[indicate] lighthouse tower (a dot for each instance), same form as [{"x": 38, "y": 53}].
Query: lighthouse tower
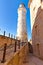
[{"x": 21, "y": 27}]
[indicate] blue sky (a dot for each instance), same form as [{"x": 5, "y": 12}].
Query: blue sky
[{"x": 8, "y": 16}]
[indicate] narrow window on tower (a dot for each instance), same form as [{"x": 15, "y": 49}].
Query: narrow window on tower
[
  {"x": 36, "y": 30},
  {"x": 34, "y": 9}
]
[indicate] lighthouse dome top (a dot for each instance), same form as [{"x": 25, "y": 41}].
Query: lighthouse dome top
[{"x": 22, "y": 5}]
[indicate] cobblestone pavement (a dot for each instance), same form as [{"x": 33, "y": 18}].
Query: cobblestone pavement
[{"x": 32, "y": 60}]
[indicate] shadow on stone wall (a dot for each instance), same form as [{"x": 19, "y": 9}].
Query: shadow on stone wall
[{"x": 30, "y": 47}]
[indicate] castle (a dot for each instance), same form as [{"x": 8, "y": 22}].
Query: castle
[
  {"x": 36, "y": 14},
  {"x": 33, "y": 5}
]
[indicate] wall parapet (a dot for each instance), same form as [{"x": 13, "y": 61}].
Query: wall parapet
[{"x": 19, "y": 56}]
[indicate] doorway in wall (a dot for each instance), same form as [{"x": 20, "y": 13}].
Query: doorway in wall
[{"x": 38, "y": 50}]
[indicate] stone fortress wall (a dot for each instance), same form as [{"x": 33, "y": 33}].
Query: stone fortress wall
[
  {"x": 37, "y": 34},
  {"x": 7, "y": 40},
  {"x": 33, "y": 5},
  {"x": 37, "y": 29}
]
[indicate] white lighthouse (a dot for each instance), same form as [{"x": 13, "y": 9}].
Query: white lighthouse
[{"x": 21, "y": 26}]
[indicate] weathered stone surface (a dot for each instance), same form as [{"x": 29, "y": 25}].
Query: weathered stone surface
[
  {"x": 7, "y": 40},
  {"x": 21, "y": 28},
  {"x": 37, "y": 34}
]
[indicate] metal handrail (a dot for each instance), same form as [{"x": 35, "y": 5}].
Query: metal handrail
[{"x": 6, "y": 47}]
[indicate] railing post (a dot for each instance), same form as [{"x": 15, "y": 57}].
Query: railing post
[
  {"x": 18, "y": 44},
  {"x": 4, "y": 53},
  {"x": 4, "y": 33},
  {"x": 15, "y": 46}
]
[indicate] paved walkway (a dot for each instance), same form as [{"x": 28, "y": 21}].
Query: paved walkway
[
  {"x": 32, "y": 60},
  {"x": 9, "y": 53}
]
